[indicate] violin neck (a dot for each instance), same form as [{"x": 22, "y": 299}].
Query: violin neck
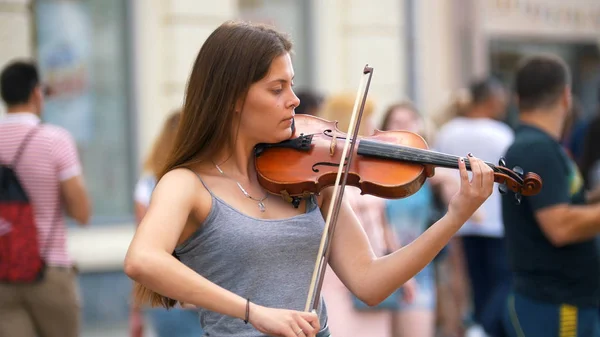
[{"x": 377, "y": 149}]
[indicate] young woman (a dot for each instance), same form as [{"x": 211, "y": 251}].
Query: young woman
[
  {"x": 205, "y": 239},
  {"x": 409, "y": 218}
]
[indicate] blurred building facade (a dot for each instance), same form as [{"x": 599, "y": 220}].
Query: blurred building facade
[
  {"x": 513, "y": 29},
  {"x": 117, "y": 68}
]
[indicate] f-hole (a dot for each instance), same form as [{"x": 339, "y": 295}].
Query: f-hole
[{"x": 324, "y": 163}]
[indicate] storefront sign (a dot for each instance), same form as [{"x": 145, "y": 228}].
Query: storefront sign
[{"x": 578, "y": 19}]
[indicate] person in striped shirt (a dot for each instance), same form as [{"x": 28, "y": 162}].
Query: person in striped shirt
[{"x": 49, "y": 170}]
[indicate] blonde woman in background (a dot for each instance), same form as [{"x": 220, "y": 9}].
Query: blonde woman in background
[
  {"x": 345, "y": 318},
  {"x": 409, "y": 218},
  {"x": 175, "y": 322}
]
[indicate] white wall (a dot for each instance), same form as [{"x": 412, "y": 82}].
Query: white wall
[
  {"x": 15, "y": 32},
  {"x": 353, "y": 33},
  {"x": 437, "y": 55}
]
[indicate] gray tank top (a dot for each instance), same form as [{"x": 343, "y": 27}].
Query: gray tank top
[{"x": 268, "y": 261}]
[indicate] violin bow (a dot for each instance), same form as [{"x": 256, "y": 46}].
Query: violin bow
[{"x": 314, "y": 292}]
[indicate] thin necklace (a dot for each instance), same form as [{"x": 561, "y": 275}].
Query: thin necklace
[{"x": 261, "y": 205}]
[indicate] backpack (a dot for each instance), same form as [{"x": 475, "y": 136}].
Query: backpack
[{"x": 20, "y": 258}]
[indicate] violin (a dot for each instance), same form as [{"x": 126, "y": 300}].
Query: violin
[{"x": 388, "y": 164}]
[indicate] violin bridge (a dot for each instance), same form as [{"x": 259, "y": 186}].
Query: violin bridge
[{"x": 332, "y": 145}]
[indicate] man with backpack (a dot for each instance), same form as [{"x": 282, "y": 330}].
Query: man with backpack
[{"x": 40, "y": 178}]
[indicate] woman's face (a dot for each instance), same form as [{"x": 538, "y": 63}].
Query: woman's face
[
  {"x": 404, "y": 119},
  {"x": 268, "y": 111}
]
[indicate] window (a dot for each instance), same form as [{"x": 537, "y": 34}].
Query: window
[{"x": 82, "y": 53}]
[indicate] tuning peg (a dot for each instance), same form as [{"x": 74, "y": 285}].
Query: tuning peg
[
  {"x": 518, "y": 170},
  {"x": 502, "y": 162},
  {"x": 518, "y": 198},
  {"x": 502, "y": 188}
]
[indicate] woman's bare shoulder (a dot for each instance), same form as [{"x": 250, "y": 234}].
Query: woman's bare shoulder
[
  {"x": 184, "y": 185},
  {"x": 179, "y": 178}
]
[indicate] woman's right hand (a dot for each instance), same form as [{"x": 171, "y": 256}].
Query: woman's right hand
[{"x": 284, "y": 323}]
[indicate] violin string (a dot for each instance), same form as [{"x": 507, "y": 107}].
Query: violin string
[
  {"x": 444, "y": 158},
  {"x": 424, "y": 156},
  {"x": 452, "y": 161}
]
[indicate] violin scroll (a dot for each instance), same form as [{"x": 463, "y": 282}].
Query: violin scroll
[
  {"x": 514, "y": 180},
  {"x": 532, "y": 184}
]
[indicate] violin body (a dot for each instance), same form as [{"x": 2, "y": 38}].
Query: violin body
[
  {"x": 296, "y": 172},
  {"x": 387, "y": 164}
]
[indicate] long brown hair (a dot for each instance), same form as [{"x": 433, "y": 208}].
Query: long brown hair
[
  {"x": 234, "y": 56},
  {"x": 163, "y": 144}
]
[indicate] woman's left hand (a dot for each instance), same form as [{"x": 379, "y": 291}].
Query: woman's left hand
[{"x": 472, "y": 194}]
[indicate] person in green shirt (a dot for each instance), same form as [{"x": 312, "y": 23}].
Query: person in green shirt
[{"x": 550, "y": 236}]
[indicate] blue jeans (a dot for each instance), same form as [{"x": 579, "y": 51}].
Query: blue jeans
[
  {"x": 426, "y": 292},
  {"x": 487, "y": 265},
  {"x": 525, "y": 317},
  {"x": 175, "y": 322}
]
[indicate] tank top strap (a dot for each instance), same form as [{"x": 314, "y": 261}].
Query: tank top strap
[{"x": 203, "y": 183}]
